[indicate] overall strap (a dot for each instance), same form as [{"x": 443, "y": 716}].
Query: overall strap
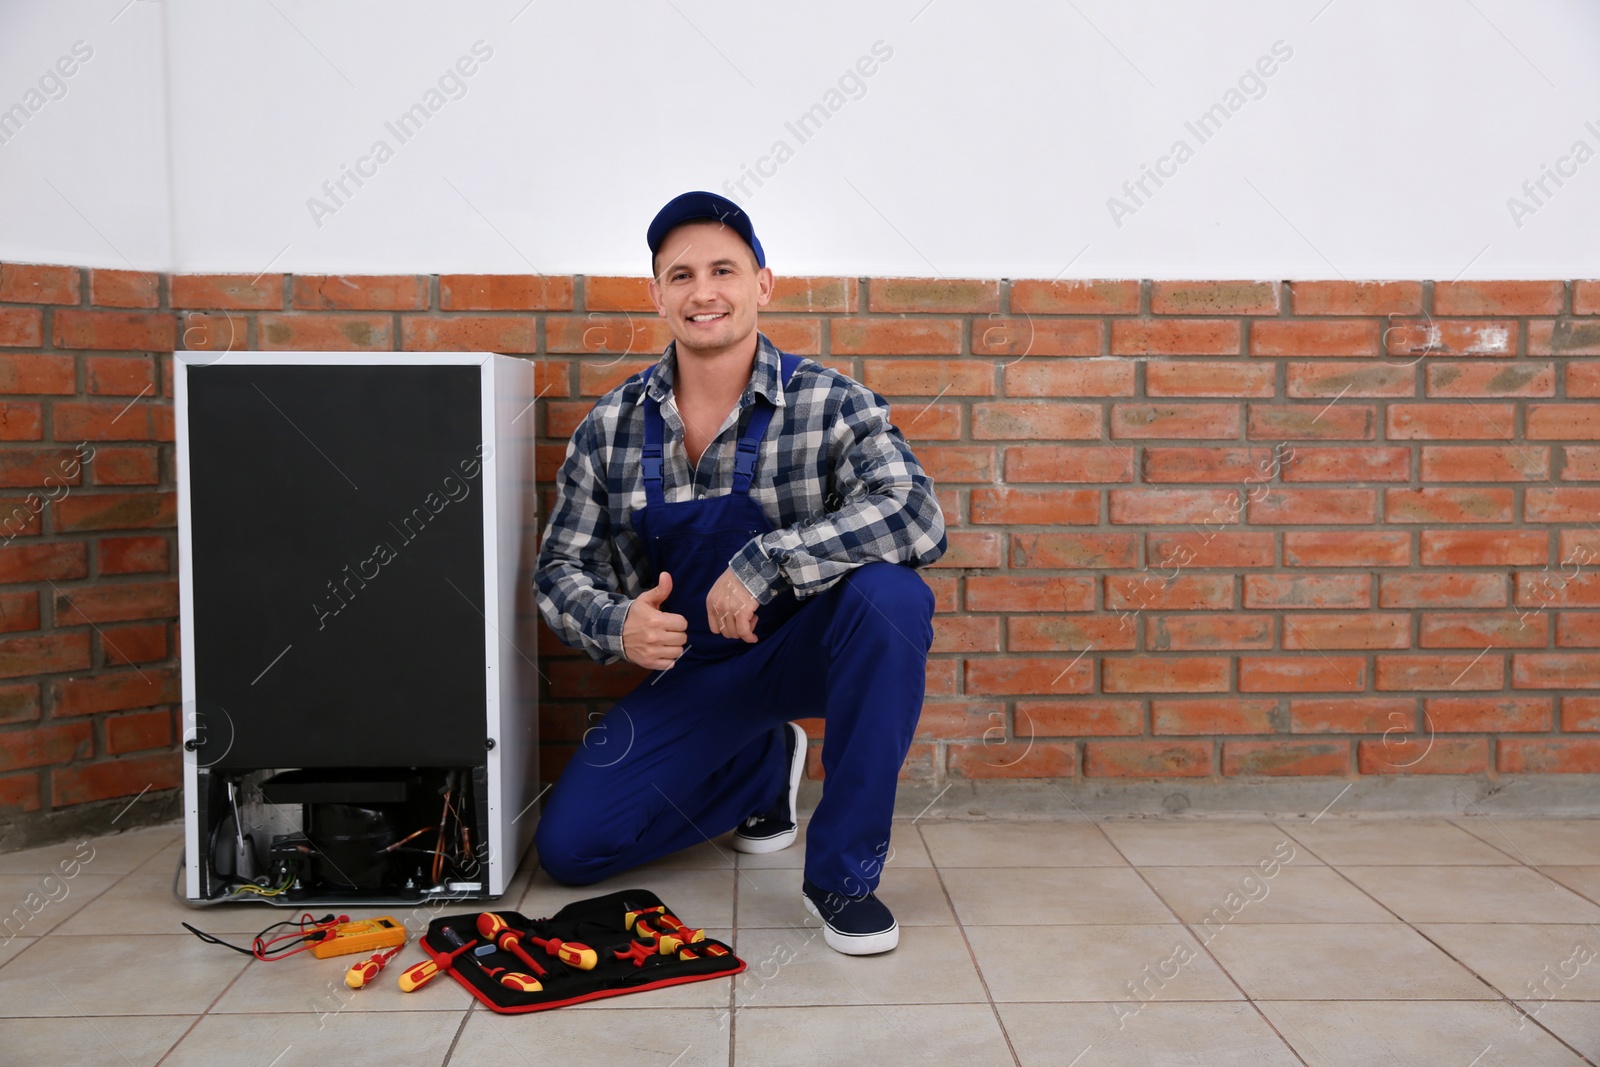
[
  {"x": 651, "y": 462},
  {"x": 744, "y": 464},
  {"x": 744, "y": 461}
]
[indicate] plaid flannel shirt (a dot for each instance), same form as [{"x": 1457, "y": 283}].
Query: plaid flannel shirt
[{"x": 835, "y": 478}]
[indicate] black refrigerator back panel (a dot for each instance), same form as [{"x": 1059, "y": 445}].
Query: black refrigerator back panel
[{"x": 337, "y": 518}]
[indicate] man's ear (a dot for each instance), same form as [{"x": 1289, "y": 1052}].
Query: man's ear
[
  {"x": 764, "y": 284},
  {"x": 655, "y": 298}
]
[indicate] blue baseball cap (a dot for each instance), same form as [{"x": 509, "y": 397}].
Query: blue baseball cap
[{"x": 691, "y": 207}]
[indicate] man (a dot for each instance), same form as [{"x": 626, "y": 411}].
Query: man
[{"x": 745, "y": 523}]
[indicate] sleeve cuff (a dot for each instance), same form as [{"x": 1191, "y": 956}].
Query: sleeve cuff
[
  {"x": 607, "y": 634},
  {"x": 759, "y": 573}
]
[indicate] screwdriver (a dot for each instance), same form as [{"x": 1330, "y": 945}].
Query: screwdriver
[
  {"x": 571, "y": 953},
  {"x": 419, "y": 975},
  {"x": 364, "y": 972},
  {"x": 524, "y": 983},
  {"x": 495, "y": 930}
]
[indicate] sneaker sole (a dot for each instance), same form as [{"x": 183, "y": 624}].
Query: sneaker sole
[
  {"x": 756, "y": 846},
  {"x": 761, "y": 845},
  {"x": 855, "y": 944}
]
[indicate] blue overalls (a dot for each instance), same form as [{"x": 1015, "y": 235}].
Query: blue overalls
[
  {"x": 693, "y": 540},
  {"x": 693, "y": 751}
]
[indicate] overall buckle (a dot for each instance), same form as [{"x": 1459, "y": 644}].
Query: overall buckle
[{"x": 744, "y": 462}]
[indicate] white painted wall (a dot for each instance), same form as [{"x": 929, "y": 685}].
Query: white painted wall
[
  {"x": 83, "y": 163},
  {"x": 988, "y": 143}
]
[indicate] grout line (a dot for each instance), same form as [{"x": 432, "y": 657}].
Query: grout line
[
  {"x": 116, "y": 881},
  {"x": 89, "y": 1019},
  {"x": 1526, "y": 860},
  {"x": 1522, "y": 861},
  {"x": 1251, "y": 998},
  {"x": 1503, "y": 998},
  {"x": 466, "y": 1017},
  {"x": 961, "y": 927},
  {"x": 200, "y": 1017},
  {"x": 193, "y": 1022},
  {"x": 1204, "y": 945},
  {"x": 733, "y": 938}
]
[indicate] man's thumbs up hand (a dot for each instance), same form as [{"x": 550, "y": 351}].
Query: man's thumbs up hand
[
  {"x": 652, "y": 638},
  {"x": 658, "y": 596}
]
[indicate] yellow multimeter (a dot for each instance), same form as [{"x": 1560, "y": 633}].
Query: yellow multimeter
[{"x": 361, "y": 935}]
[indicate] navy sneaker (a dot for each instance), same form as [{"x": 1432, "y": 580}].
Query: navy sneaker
[
  {"x": 777, "y": 827},
  {"x": 856, "y": 926}
]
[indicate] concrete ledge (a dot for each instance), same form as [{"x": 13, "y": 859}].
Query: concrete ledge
[
  {"x": 1278, "y": 798},
  {"x": 34, "y": 829}
]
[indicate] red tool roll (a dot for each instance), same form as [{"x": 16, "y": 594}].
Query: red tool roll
[{"x": 589, "y": 949}]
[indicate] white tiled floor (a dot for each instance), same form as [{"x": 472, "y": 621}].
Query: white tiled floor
[{"x": 1080, "y": 943}]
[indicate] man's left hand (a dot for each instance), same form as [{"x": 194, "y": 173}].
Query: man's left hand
[{"x": 730, "y": 609}]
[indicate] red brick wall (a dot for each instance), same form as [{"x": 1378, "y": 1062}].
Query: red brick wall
[
  {"x": 88, "y": 598},
  {"x": 1197, "y": 529}
]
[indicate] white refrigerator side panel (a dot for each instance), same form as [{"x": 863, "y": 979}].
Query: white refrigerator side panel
[{"x": 513, "y": 527}]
